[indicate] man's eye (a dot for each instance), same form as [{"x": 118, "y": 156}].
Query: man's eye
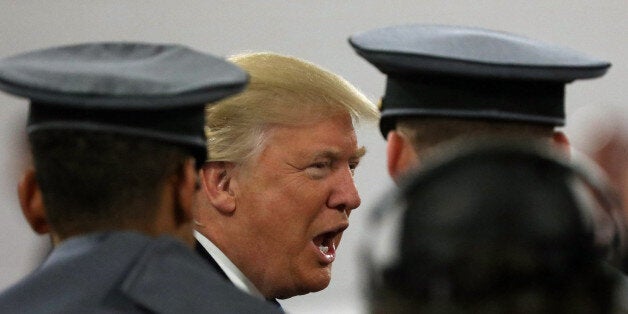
[
  {"x": 319, "y": 169},
  {"x": 320, "y": 165},
  {"x": 352, "y": 166}
]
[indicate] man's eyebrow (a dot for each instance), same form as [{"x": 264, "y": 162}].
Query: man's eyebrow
[
  {"x": 333, "y": 154},
  {"x": 360, "y": 152}
]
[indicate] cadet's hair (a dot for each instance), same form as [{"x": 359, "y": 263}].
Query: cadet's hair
[
  {"x": 96, "y": 181},
  {"x": 427, "y": 133},
  {"x": 283, "y": 90}
]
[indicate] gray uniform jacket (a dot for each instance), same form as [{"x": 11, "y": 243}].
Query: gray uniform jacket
[{"x": 125, "y": 272}]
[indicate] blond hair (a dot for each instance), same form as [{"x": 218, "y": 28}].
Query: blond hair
[{"x": 282, "y": 90}]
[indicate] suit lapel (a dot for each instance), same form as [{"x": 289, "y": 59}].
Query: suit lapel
[{"x": 198, "y": 247}]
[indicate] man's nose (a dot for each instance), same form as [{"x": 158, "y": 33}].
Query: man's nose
[{"x": 344, "y": 195}]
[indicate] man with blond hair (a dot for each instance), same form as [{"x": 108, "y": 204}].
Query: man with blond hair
[{"x": 277, "y": 189}]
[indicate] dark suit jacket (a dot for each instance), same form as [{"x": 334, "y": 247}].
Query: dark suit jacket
[
  {"x": 212, "y": 262},
  {"x": 198, "y": 247},
  {"x": 129, "y": 273}
]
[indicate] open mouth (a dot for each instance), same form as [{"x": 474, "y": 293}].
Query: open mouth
[{"x": 326, "y": 243}]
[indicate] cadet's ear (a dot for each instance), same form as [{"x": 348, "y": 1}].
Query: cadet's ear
[
  {"x": 186, "y": 187},
  {"x": 31, "y": 201},
  {"x": 216, "y": 177},
  {"x": 561, "y": 141},
  {"x": 400, "y": 155}
]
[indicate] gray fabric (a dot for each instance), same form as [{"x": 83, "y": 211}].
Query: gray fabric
[
  {"x": 130, "y": 273},
  {"x": 120, "y": 74},
  {"x": 458, "y": 50}
]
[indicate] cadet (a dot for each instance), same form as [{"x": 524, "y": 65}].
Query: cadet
[
  {"x": 116, "y": 132},
  {"x": 454, "y": 83},
  {"x": 447, "y": 82}
]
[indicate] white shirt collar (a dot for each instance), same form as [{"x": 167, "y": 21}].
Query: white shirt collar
[{"x": 233, "y": 273}]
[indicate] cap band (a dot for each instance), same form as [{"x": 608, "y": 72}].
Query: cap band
[
  {"x": 180, "y": 126},
  {"x": 510, "y": 100}
]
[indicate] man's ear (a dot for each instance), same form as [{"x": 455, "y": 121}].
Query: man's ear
[
  {"x": 31, "y": 201},
  {"x": 216, "y": 177},
  {"x": 560, "y": 140},
  {"x": 400, "y": 155}
]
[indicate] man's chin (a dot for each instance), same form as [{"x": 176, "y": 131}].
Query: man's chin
[
  {"x": 310, "y": 285},
  {"x": 320, "y": 282}
]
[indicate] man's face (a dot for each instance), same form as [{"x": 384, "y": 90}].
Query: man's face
[{"x": 294, "y": 201}]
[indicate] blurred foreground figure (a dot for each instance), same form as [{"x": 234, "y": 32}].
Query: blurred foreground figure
[
  {"x": 612, "y": 157},
  {"x": 497, "y": 228},
  {"x": 116, "y": 132},
  {"x": 604, "y": 134},
  {"x": 604, "y": 138}
]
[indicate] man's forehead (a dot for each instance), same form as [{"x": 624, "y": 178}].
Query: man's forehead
[{"x": 323, "y": 137}]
